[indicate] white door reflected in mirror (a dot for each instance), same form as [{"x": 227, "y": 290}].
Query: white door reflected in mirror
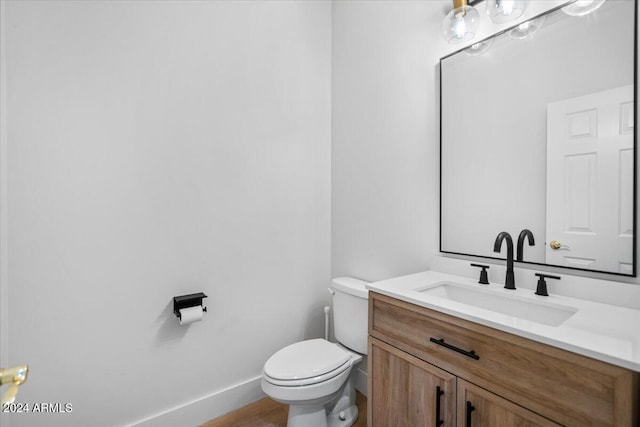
[{"x": 589, "y": 181}]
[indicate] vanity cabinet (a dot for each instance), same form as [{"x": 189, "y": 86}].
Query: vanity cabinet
[
  {"x": 507, "y": 379},
  {"x": 409, "y": 392}
]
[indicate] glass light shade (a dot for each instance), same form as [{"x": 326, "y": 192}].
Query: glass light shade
[
  {"x": 479, "y": 48},
  {"x": 502, "y": 11},
  {"x": 582, "y": 7},
  {"x": 460, "y": 25},
  {"x": 527, "y": 29}
]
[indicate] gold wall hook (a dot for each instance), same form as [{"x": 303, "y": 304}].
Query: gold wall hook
[{"x": 15, "y": 377}]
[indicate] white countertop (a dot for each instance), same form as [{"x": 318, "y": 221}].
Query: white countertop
[{"x": 601, "y": 331}]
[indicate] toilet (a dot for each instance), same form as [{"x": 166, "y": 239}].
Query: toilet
[{"x": 316, "y": 378}]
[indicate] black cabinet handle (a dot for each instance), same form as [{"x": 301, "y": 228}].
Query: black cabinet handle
[
  {"x": 470, "y": 409},
  {"x": 439, "y": 393},
  {"x": 472, "y": 354}
]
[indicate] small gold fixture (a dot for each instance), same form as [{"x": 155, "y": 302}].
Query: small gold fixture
[
  {"x": 459, "y": 4},
  {"x": 14, "y": 377},
  {"x": 554, "y": 244}
]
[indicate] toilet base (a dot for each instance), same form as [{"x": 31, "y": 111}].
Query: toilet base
[
  {"x": 344, "y": 418},
  {"x": 307, "y": 416},
  {"x": 340, "y": 412},
  {"x": 312, "y": 416}
]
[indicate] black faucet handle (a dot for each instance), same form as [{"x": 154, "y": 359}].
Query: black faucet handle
[
  {"x": 541, "y": 289},
  {"x": 484, "y": 279}
]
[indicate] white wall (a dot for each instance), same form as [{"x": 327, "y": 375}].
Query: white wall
[
  {"x": 155, "y": 149},
  {"x": 384, "y": 137}
]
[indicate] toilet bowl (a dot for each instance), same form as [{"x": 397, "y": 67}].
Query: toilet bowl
[
  {"x": 316, "y": 377},
  {"x": 312, "y": 377}
]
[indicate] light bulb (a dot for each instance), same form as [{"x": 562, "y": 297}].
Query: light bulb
[
  {"x": 460, "y": 25},
  {"x": 502, "y": 11},
  {"x": 507, "y": 8},
  {"x": 459, "y": 28}
]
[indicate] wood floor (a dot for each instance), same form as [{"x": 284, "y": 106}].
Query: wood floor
[{"x": 269, "y": 413}]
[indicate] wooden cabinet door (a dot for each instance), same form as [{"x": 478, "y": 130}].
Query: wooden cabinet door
[
  {"x": 405, "y": 391},
  {"x": 478, "y": 407}
]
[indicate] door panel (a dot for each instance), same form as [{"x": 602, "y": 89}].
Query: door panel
[
  {"x": 478, "y": 407},
  {"x": 403, "y": 390}
]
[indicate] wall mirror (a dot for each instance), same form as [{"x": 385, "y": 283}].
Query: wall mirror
[{"x": 537, "y": 132}]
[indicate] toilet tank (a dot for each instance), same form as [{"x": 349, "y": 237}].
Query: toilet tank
[{"x": 350, "y": 313}]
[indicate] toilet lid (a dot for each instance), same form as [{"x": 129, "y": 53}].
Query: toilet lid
[{"x": 305, "y": 359}]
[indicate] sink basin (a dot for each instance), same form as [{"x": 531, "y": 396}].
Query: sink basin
[{"x": 545, "y": 313}]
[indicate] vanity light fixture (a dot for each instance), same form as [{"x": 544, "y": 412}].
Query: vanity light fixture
[
  {"x": 527, "y": 29},
  {"x": 582, "y": 7},
  {"x": 460, "y": 24},
  {"x": 502, "y": 11}
]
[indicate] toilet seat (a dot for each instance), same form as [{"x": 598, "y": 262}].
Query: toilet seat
[
  {"x": 306, "y": 362},
  {"x": 308, "y": 381}
]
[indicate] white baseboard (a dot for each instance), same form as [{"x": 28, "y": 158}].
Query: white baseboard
[
  {"x": 219, "y": 403},
  {"x": 206, "y": 408}
]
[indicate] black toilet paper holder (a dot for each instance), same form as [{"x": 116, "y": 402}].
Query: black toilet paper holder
[{"x": 186, "y": 301}]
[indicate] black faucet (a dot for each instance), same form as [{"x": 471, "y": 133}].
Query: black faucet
[
  {"x": 529, "y": 235},
  {"x": 509, "y": 282}
]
